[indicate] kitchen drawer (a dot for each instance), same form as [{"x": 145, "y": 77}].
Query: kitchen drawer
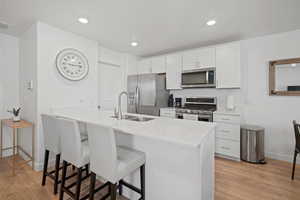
[
  {"x": 228, "y": 131},
  {"x": 228, "y": 147},
  {"x": 234, "y": 119},
  {"x": 165, "y": 112}
]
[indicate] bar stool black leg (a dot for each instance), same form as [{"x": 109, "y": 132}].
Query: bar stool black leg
[
  {"x": 120, "y": 188},
  {"x": 92, "y": 186},
  {"x": 63, "y": 180},
  {"x": 57, "y": 162},
  {"x": 78, "y": 184},
  {"x": 87, "y": 169},
  {"x": 113, "y": 191},
  {"x": 294, "y": 164},
  {"x": 45, "y": 167},
  {"x": 142, "y": 174}
]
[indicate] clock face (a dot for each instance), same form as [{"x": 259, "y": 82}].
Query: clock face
[{"x": 72, "y": 64}]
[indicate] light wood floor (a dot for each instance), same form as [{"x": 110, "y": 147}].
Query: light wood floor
[{"x": 234, "y": 181}]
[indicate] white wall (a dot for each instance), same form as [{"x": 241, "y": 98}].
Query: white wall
[
  {"x": 275, "y": 113},
  {"x": 28, "y": 72},
  {"x": 9, "y": 80},
  {"x": 53, "y": 89}
]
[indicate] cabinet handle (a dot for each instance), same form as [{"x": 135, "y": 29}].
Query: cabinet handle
[
  {"x": 226, "y": 148},
  {"x": 225, "y": 119},
  {"x": 225, "y": 131}
]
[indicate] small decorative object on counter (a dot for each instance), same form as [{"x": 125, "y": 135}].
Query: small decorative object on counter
[{"x": 16, "y": 114}]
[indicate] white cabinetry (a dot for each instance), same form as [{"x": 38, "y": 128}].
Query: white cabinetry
[
  {"x": 159, "y": 64},
  {"x": 173, "y": 71},
  {"x": 132, "y": 68},
  {"x": 228, "y": 64},
  {"x": 168, "y": 112},
  {"x": 144, "y": 66},
  {"x": 228, "y": 135},
  {"x": 154, "y": 65},
  {"x": 199, "y": 58}
]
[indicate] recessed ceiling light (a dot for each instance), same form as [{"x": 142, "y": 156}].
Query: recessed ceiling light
[
  {"x": 211, "y": 22},
  {"x": 134, "y": 44},
  {"x": 83, "y": 20},
  {"x": 294, "y": 65}
]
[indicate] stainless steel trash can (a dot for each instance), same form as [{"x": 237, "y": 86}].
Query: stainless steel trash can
[{"x": 252, "y": 144}]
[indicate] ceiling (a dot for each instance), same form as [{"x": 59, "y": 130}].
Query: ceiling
[{"x": 158, "y": 25}]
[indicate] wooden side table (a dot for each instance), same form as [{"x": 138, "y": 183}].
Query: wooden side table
[{"x": 15, "y": 126}]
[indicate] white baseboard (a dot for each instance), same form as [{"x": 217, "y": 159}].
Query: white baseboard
[
  {"x": 283, "y": 157},
  {"x": 38, "y": 166}
]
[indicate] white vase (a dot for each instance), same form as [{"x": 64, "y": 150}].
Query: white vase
[{"x": 16, "y": 118}]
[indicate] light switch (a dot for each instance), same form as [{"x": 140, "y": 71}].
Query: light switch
[{"x": 30, "y": 85}]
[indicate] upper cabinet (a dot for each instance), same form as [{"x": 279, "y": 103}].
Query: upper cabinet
[
  {"x": 173, "y": 71},
  {"x": 159, "y": 64},
  {"x": 152, "y": 65},
  {"x": 225, "y": 58},
  {"x": 199, "y": 58},
  {"x": 132, "y": 68},
  {"x": 144, "y": 66},
  {"x": 228, "y": 65}
]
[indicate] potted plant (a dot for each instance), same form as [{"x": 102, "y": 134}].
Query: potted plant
[{"x": 16, "y": 114}]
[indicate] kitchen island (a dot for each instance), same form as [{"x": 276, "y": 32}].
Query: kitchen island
[{"x": 179, "y": 153}]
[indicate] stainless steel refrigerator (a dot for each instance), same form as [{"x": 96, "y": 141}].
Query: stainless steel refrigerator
[{"x": 147, "y": 93}]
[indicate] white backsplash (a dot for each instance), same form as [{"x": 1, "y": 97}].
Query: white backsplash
[{"x": 221, "y": 95}]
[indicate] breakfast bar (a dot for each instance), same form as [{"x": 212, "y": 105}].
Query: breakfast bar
[{"x": 179, "y": 153}]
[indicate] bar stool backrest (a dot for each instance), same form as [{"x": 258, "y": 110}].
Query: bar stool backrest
[
  {"x": 71, "y": 145},
  {"x": 103, "y": 151},
  {"x": 51, "y": 133},
  {"x": 297, "y": 135}
]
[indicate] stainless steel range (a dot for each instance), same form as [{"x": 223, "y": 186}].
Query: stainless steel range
[{"x": 197, "y": 108}]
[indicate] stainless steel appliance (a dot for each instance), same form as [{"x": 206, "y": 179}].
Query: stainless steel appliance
[
  {"x": 198, "y": 108},
  {"x": 204, "y": 78},
  {"x": 178, "y": 102},
  {"x": 147, "y": 93},
  {"x": 252, "y": 144}
]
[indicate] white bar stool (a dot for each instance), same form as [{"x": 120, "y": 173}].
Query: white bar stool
[
  {"x": 52, "y": 144},
  {"x": 74, "y": 151},
  {"x": 113, "y": 163}
]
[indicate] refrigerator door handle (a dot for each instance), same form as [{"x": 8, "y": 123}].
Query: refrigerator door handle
[{"x": 137, "y": 100}]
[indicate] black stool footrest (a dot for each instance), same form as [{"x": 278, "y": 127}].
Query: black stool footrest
[{"x": 131, "y": 187}]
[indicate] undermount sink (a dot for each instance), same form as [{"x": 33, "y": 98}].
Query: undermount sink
[{"x": 135, "y": 118}]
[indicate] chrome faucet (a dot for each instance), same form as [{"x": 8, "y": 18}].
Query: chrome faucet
[{"x": 119, "y": 104}]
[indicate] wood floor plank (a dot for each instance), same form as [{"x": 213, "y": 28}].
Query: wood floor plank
[{"x": 234, "y": 181}]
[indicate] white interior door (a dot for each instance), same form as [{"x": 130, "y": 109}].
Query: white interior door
[{"x": 111, "y": 83}]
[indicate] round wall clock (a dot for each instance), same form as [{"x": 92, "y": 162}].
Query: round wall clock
[{"x": 72, "y": 64}]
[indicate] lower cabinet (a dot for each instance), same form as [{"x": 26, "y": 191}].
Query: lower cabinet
[
  {"x": 168, "y": 112},
  {"x": 227, "y": 147},
  {"x": 227, "y": 135}
]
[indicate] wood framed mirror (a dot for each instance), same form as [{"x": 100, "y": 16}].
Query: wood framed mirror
[{"x": 284, "y": 77}]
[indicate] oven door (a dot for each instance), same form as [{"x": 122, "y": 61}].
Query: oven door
[
  {"x": 198, "y": 78},
  {"x": 205, "y": 118},
  {"x": 190, "y": 116}
]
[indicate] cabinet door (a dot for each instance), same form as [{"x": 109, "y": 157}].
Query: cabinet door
[
  {"x": 132, "y": 68},
  {"x": 206, "y": 57},
  {"x": 199, "y": 58},
  {"x": 173, "y": 71},
  {"x": 159, "y": 64},
  {"x": 144, "y": 66},
  {"x": 228, "y": 65},
  {"x": 189, "y": 60}
]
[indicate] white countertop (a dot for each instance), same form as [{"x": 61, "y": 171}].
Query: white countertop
[
  {"x": 183, "y": 132},
  {"x": 228, "y": 112}
]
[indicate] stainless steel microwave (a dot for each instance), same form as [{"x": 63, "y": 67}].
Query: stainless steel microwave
[{"x": 199, "y": 78}]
